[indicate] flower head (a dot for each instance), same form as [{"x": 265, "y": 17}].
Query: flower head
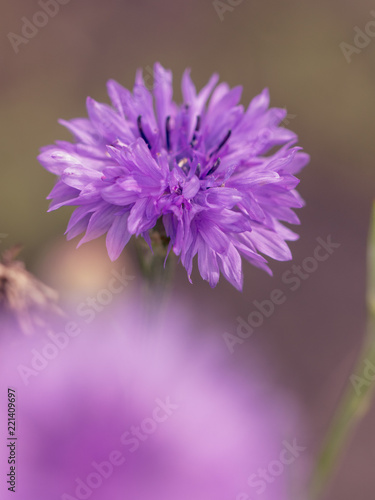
[{"x": 206, "y": 170}]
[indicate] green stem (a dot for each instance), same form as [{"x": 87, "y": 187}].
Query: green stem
[
  {"x": 353, "y": 406},
  {"x": 157, "y": 276}
]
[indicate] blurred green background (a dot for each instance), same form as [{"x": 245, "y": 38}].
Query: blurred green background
[{"x": 290, "y": 46}]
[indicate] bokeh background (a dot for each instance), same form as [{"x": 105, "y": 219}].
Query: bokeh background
[{"x": 290, "y": 46}]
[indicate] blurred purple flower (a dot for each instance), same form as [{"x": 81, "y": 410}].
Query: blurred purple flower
[
  {"x": 111, "y": 416},
  {"x": 206, "y": 170}
]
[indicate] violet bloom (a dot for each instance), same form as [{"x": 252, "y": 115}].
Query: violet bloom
[
  {"x": 103, "y": 414},
  {"x": 203, "y": 171}
]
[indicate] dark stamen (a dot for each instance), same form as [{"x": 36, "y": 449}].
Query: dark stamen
[
  {"x": 214, "y": 167},
  {"x": 168, "y": 133},
  {"x": 197, "y": 127},
  {"x": 222, "y": 143},
  {"x": 139, "y": 123}
]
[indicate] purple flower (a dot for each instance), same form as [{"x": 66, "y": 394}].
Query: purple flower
[
  {"x": 102, "y": 414},
  {"x": 207, "y": 170}
]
